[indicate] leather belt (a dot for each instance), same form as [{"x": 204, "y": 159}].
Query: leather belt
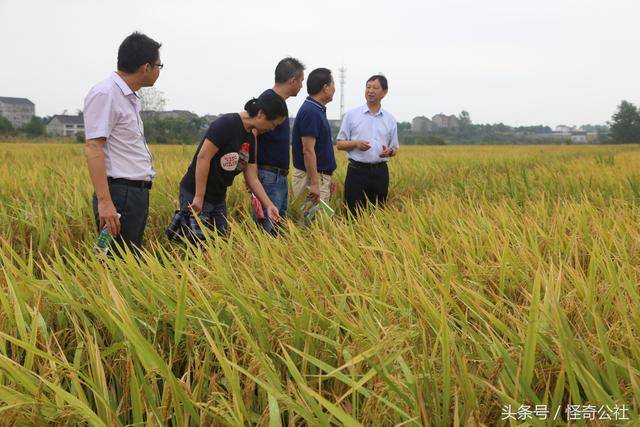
[
  {"x": 274, "y": 169},
  {"x": 325, "y": 172},
  {"x": 130, "y": 182},
  {"x": 366, "y": 165}
]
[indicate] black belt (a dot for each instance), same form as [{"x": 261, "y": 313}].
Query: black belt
[
  {"x": 366, "y": 165},
  {"x": 130, "y": 183},
  {"x": 325, "y": 172},
  {"x": 274, "y": 169}
]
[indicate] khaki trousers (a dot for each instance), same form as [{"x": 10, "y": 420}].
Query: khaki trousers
[{"x": 300, "y": 184}]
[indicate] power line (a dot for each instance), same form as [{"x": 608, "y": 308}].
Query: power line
[{"x": 343, "y": 78}]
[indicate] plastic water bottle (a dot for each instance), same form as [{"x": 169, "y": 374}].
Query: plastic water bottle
[
  {"x": 311, "y": 210},
  {"x": 326, "y": 208},
  {"x": 103, "y": 241}
]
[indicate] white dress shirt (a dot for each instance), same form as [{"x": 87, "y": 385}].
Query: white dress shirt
[
  {"x": 112, "y": 111},
  {"x": 378, "y": 130}
]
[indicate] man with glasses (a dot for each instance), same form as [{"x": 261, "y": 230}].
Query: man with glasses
[
  {"x": 120, "y": 163},
  {"x": 369, "y": 135}
]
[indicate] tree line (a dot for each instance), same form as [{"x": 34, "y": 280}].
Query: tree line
[
  {"x": 623, "y": 128},
  {"x": 625, "y": 124},
  {"x": 34, "y": 128}
]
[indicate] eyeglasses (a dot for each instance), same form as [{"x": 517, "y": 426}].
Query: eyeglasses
[{"x": 158, "y": 65}]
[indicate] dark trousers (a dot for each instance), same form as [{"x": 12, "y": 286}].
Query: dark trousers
[
  {"x": 132, "y": 203},
  {"x": 213, "y": 215},
  {"x": 365, "y": 183}
]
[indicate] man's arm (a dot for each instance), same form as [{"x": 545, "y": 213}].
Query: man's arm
[
  {"x": 94, "y": 152},
  {"x": 392, "y": 150},
  {"x": 395, "y": 144},
  {"x": 203, "y": 164},
  {"x": 344, "y": 142},
  {"x": 311, "y": 165},
  {"x": 388, "y": 151},
  {"x": 350, "y": 145}
]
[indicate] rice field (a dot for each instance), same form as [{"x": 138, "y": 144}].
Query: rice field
[{"x": 498, "y": 287}]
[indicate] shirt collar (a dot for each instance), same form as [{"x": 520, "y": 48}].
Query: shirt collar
[
  {"x": 365, "y": 110},
  {"x": 316, "y": 103},
  {"x": 124, "y": 87}
]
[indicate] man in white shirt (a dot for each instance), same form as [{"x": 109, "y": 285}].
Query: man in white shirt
[
  {"x": 369, "y": 135},
  {"x": 119, "y": 160}
]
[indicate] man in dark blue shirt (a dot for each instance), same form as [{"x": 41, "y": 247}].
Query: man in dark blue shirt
[
  {"x": 273, "y": 147},
  {"x": 313, "y": 157}
]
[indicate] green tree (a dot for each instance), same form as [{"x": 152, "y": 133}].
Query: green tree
[
  {"x": 404, "y": 127},
  {"x": 465, "y": 118},
  {"x": 175, "y": 130},
  {"x": 625, "y": 124},
  {"x": 35, "y": 127},
  {"x": 534, "y": 129},
  {"x": 595, "y": 128},
  {"x": 5, "y": 126}
]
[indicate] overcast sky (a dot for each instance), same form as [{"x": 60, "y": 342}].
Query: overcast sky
[{"x": 549, "y": 61}]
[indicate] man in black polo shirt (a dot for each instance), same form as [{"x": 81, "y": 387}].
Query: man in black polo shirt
[
  {"x": 273, "y": 147},
  {"x": 313, "y": 157}
]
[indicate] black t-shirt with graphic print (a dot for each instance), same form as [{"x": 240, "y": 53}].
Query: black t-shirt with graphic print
[{"x": 236, "y": 147}]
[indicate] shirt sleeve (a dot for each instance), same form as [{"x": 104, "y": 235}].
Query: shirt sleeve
[
  {"x": 218, "y": 133},
  {"x": 345, "y": 129},
  {"x": 394, "y": 136},
  {"x": 99, "y": 116},
  {"x": 310, "y": 125}
]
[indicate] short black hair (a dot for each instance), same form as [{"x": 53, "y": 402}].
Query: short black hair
[
  {"x": 270, "y": 103},
  {"x": 136, "y": 50},
  {"x": 382, "y": 79},
  {"x": 288, "y": 68},
  {"x": 317, "y": 79}
]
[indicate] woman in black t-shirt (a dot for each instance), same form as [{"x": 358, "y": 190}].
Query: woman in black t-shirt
[{"x": 227, "y": 149}]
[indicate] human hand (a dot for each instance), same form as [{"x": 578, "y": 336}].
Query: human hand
[
  {"x": 362, "y": 145},
  {"x": 196, "y": 204},
  {"x": 109, "y": 216},
  {"x": 274, "y": 214},
  {"x": 314, "y": 192},
  {"x": 386, "y": 152}
]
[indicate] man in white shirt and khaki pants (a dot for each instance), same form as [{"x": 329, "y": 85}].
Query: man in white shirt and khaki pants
[
  {"x": 369, "y": 135},
  {"x": 119, "y": 160}
]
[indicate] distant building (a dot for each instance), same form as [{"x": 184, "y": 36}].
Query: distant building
[
  {"x": 593, "y": 136},
  {"x": 421, "y": 124},
  {"x": 172, "y": 114},
  {"x": 17, "y": 110},
  {"x": 64, "y": 125},
  {"x": 579, "y": 137},
  {"x": 442, "y": 121},
  {"x": 565, "y": 129}
]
